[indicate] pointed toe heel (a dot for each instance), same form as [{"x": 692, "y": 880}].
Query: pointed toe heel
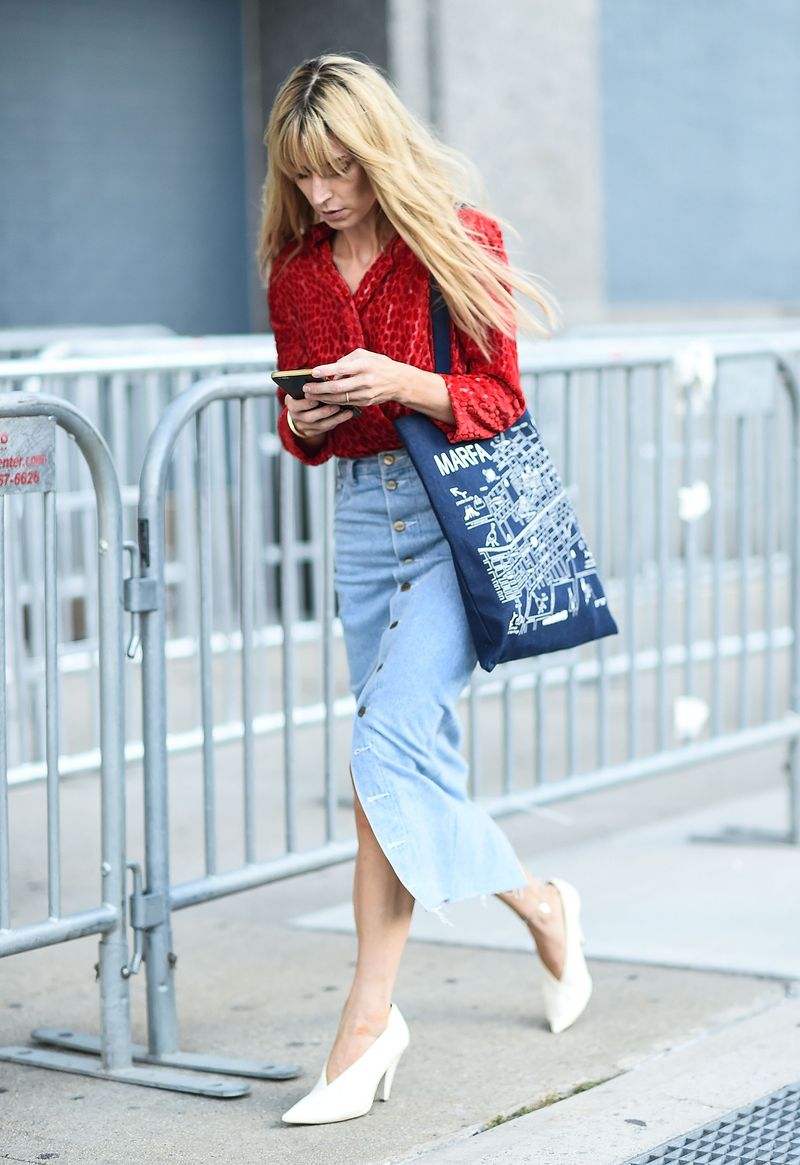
[
  {"x": 565, "y": 999},
  {"x": 352, "y": 1094}
]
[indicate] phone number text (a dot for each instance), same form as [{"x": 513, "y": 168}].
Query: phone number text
[{"x": 26, "y": 477}]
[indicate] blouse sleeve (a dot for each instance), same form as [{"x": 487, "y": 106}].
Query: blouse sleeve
[
  {"x": 487, "y": 396},
  {"x": 291, "y": 354}
]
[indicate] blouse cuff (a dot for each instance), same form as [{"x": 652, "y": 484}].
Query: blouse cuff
[
  {"x": 298, "y": 448},
  {"x": 483, "y": 406}
]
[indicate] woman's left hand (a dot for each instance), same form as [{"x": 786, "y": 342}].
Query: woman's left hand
[{"x": 360, "y": 378}]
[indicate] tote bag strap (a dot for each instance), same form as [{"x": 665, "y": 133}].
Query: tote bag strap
[{"x": 440, "y": 325}]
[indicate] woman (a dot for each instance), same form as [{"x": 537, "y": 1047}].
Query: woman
[{"x": 360, "y": 208}]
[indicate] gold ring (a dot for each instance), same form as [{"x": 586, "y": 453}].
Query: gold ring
[{"x": 347, "y": 398}]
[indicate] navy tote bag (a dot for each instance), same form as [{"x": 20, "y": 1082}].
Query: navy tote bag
[{"x": 527, "y": 576}]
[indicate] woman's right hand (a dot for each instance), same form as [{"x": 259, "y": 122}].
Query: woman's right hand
[{"x": 311, "y": 421}]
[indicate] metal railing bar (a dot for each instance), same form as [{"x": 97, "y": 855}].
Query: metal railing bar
[
  {"x": 689, "y": 535},
  {"x": 5, "y": 856},
  {"x": 473, "y": 750},
  {"x": 717, "y": 552},
  {"x": 743, "y": 503},
  {"x": 631, "y": 459},
  {"x": 328, "y": 684},
  {"x": 288, "y": 595},
  {"x": 32, "y": 936},
  {"x": 206, "y": 618},
  {"x": 769, "y": 462},
  {"x": 599, "y": 549},
  {"x": 247, "y": 608},
  {"x": 570, "y": 460},
  {"x": 661, "y": 419},
  {"x": 52, "y": 705}
]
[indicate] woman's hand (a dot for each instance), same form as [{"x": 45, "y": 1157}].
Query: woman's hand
[
  {"x": 360, "y": 378},
  {"x": 312, "y": 420},
  {"x": 365, "y": 378}
]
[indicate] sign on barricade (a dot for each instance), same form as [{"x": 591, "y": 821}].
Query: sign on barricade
[{"x": 27, "y": 454}]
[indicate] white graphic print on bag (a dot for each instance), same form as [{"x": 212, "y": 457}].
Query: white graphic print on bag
[{"x": 533, "y": 549}]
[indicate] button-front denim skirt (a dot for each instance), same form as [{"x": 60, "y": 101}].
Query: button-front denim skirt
[{"x": 411, "y": 656}]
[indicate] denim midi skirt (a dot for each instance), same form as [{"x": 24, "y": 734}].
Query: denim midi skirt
[{"x": 410, "y": 656}]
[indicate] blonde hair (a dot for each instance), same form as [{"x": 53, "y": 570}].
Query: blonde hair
[{"x": 418, "y": 184}]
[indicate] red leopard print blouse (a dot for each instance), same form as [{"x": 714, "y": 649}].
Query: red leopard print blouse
[{"x": 317, "y": 319}]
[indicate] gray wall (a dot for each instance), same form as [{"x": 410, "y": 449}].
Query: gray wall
[
  {"x": 514, "y": 86},
  {"x": 648, "y": 153},
  {"x": 701, "y": 145},
  {"x": 121, "y": 151}
]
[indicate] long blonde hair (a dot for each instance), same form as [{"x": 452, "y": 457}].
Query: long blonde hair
[{"x": 418, "y": 184}]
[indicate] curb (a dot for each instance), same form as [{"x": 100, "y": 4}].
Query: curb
[{"x": 638, "y": 1111}]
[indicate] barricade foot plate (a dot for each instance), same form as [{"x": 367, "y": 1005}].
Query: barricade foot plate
[
  {"x": 740, "y": 835},
  {"x": 191, "y": 1061},
  {"x": 145, "y": 1077}
]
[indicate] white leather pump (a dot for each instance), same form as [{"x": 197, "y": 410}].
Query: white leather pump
[
  {"x": 566, "y": 998},
  {"x": 351, "y": 1094}
]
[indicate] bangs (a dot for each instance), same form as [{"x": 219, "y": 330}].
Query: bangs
[{"x": 305, "y": 143}]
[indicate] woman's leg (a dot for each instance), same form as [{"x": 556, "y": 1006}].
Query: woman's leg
[
  {"x": 539, "y": 907},
  {"x": 382, "y": 908}
]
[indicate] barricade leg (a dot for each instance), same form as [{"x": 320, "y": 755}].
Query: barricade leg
[{"x": 109, "y": 918}]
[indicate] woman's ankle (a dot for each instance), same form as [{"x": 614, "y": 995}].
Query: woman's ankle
[
  {"x": 366, "y": 1013},
  {"x": 534, "y": 903}
]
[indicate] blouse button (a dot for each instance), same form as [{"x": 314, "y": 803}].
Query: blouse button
[
  {"x": 406, "y": 586},
  {"x": 408, "y": 561},
  {"x": 391, "y": 485},
  {"x": 388, "y": 459},
  {"x": 399, "y": 527},
  {"x": 362, "y": 710},
  {"x": 391, "y": 628}
]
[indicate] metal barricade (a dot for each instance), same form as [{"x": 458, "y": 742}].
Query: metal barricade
[
  {"x": 30, "y": 445},
  {"x": 22, "y": 343},
  {"x": 706, "y": 595},
  {"x": 126, "y": 394},
  {"x": 699, "y": 544},
  {"x": 685, "y": 473},
  {"x": 145, "y": 597}
]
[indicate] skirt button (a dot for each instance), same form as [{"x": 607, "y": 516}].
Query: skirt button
[
  {"x": 399, "y": 527},
  {"x": 388, "y": 459}
]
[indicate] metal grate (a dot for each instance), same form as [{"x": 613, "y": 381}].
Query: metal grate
[{"x": 765, "y": 1133}]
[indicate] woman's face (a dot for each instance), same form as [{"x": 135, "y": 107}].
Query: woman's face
[{"x": 341, "y": 200}]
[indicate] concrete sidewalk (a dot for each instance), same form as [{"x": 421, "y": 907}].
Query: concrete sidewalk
[
  {"x": 661, "y": 1049},
  {"x": 636, "y": 1112}
]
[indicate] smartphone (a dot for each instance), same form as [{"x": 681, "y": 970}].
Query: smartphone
[{"x": 294, "y": 380}]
